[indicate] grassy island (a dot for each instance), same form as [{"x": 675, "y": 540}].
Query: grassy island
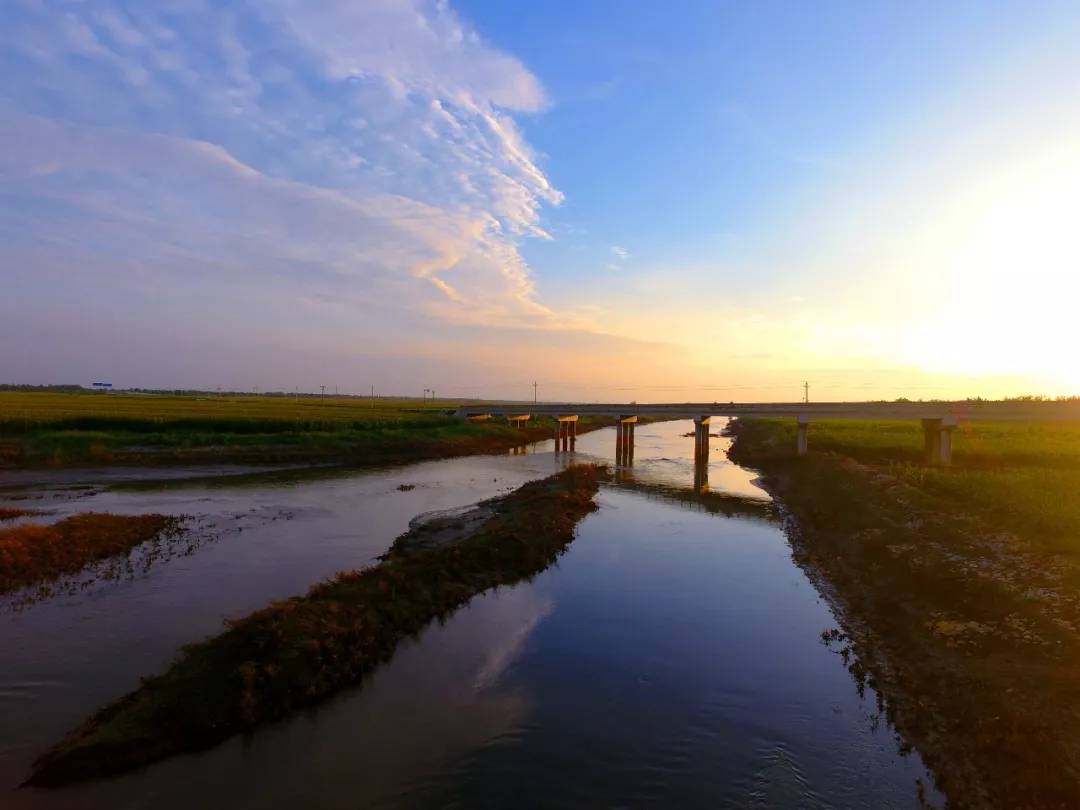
[{"x": 299, "y": 651}]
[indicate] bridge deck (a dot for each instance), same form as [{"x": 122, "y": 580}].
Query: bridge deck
[{"x": 1011, "y": 411}]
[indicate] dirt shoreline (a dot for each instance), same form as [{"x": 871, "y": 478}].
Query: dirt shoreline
[
  {"x": 300, "y": 651},
  {"x": 975, "y": 669}
]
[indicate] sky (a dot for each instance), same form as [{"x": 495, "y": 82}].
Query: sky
[{"x": 700, "y": 200}]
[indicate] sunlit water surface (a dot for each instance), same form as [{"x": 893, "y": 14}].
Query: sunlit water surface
[{"x": 671, "y": 658}]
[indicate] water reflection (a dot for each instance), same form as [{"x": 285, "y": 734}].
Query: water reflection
[
  {"x": 665, "y": 457},
  {"x": 680, "y": 667},
  {"x": 701, "y": 474},
  {"x": 671, "y": 657}
]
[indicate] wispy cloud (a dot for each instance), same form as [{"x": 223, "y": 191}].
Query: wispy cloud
[
  {"x": 621, "y": 253},
  {"x": 362, "y": 153}
]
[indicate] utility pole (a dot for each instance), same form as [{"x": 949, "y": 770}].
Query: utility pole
[
  {"x": 373, "y": 395},
  {"x": 806, "y": 392},
  {"x": 322, "y": 388},
  {"x": 534, "y": 392}
]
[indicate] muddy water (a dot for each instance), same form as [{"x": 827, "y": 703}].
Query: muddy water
[{"x": 671, "y": 658}]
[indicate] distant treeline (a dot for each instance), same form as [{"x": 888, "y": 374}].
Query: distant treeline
[
  {"x": 57, "y": 389},
  {"x": 196, "y": 392},
  {"x": 1024, "y": 397},
  {"x": 1041, "y": 398}
]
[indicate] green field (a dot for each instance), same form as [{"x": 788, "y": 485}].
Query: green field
[
  {"x": 32, "y": 410},
  {"x": 46, "y": 428},
  {"x": 1021, "y": 475}
]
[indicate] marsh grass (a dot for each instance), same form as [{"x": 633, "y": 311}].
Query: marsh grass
[
  {"x": 12, "y": 513},
  {"x": 34, "y": 552}
]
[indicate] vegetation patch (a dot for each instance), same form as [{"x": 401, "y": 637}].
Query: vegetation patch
[
  {"x": 299, "y": 651},
  {"x": 958, "y": 590},
  {"x": 11, "y": 513},
  {"x": 52, "y": 429},
  {"x": 36, "y": 552}
]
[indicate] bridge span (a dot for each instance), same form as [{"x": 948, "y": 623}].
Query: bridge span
[{"x": 939, "y": 419}]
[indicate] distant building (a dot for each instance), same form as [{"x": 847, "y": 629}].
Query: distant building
[{"x": 102, "y": 386}]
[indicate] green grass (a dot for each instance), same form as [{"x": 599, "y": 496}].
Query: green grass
[
  {"x": 1019, "y": 475},
  {"x": 62, "y": 429},
  {"x": 975, "y": 444},
  {"x": 32, "y": 410}
]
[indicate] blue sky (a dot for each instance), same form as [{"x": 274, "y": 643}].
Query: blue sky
[{"x": 623, "y": 200}]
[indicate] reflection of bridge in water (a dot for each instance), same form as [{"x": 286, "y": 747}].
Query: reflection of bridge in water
[
  {"x": 698, "y": 498},
  {"x": 939, "y": 419},
  {"x": 695, "y": 490}
]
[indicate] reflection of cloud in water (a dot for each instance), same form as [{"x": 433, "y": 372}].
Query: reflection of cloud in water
[
  {"x": 436, "y": 701},
  {"x": 503, "y": 656}
]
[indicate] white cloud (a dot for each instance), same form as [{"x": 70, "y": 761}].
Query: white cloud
[
  {"x": 359, "y": 150},
  {"x": 419, "y": 43},
  {"x": 621, "y": 253}
]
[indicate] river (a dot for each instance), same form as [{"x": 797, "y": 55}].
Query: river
[{"x": 671, "y": 658}]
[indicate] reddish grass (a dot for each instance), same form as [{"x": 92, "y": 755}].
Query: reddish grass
[
  {"x": 10, "y": 513},
  {"x": 35, "y": 552}
]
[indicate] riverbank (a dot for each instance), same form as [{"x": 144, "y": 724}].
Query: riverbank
[
  {"x": 958, "y": 589},
  {"x": 33, "y": 553},
  {"x": 58, "y": 430},
  {"x": 302, "y": 650}
]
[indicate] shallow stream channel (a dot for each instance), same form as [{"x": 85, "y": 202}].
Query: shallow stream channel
[{"x": 672, "y": 657}]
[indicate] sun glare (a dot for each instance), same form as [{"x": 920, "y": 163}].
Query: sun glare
[{"x": 1010, "y": 281}]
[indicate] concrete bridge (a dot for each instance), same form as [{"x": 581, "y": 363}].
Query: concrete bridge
[{"x": 938, "y": 419}]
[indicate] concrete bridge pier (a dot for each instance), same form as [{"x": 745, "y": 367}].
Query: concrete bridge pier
[
  {"x": 565, "y": 433},
  {"x": 624, "y": 440},
  {"x": 803, "y": 446},
  {"x": 937, "y": 440},
  {"x": 937, "y": 429}
]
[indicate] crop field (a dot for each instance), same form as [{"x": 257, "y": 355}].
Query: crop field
[
  {"x": 30, "y": 410},
  {"x": 59, "y": 429}
]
